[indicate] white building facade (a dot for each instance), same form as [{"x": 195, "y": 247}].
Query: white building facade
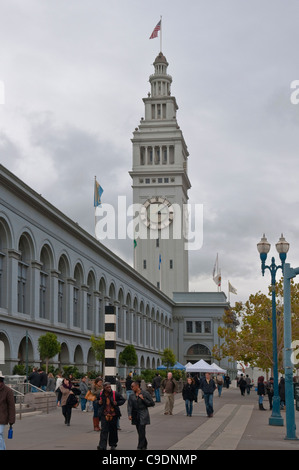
[{"x": 56, "y": 277}]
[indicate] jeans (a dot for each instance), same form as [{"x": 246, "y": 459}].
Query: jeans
[
  {"x": 209, "y": 403},
  {"x": 189, "y": 407},
  {"x": 83, "y": 403},
  {"x": 95, "y": 404},
  {"x": 219, "y": 387},
  {"x": 261, "y": 399},
  {"x": 157, "y": 395},
  {"x": 2, "y": 442}
]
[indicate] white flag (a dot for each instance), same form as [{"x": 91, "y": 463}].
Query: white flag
[
  {"x": 217, "y": 273},
  {"x": 231, "y": 288}
]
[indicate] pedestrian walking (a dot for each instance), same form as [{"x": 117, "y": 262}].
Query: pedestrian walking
[
  {"x": 227, "y": 380},
  {"x": 129, "y": 382},
  {"x": 43, "y": 379},
  {"x": 208, "y": 386},
  {"x": 59, "y": 380},
  {"x": 270, "y": 391},
  {"x": 170, "y": 387},
  {"x": 248, "y": 384},
  {"x": 189, "y": 395},
  {"x": 219, "y": 383},
  {"x": 242, "y": 384},
  {"x": 34, "y": 379},
  {"x": 109, "y": 403},
  {"x": 83, "y": 386},
  {"x": 51, "y": 384},
  {"x": 156, "y": 384},
  {"x": 96, "y": 388},
  {"x": 119, "y": 389},
  {"x": 7, "y": 409},
  {"x": 261, "y": 391},
  {"x": 197, "y": 386},
  {"x": 281, "y": 392},
  {"x": 138, "y": 404},
  {"x": 65, "y": 390}
]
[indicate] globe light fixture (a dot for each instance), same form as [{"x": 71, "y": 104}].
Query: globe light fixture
[{"x": 263, "y": 248}]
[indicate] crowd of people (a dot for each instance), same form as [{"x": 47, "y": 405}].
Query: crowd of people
[{"x": 105, "y": 403}]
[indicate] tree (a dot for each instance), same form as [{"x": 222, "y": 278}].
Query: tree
[
  {"x": 128, "y": 356},
  {"x": 252, "y": 341},
  {"x": 168, "y": 358},
  {"x": 98, "y": 347},
  {"x": 48, "y": 347}
]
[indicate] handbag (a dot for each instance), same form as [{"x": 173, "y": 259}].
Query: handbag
[{"x": 90, "y": 396}]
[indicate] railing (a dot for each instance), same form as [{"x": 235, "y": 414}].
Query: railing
[
  {"x": 21, "y": 389},
  {"x": 19, "y": 399}
]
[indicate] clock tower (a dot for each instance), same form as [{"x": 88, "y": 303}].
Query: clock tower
[{"x": 160, "y": 188}]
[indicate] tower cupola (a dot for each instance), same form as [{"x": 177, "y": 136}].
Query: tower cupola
[{"x": 160, "y": 81}]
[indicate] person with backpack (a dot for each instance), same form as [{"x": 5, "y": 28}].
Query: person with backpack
[{"x": 109, "y": 403}]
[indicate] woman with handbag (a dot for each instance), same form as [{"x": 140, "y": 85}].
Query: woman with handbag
[
  {"x": 83, "y": 391},
  {"x": 65, "y": 390},
  {"x": 95, "y": 391}
]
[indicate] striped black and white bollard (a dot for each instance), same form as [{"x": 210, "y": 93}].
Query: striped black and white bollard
[{"x": 110, "y": 345}]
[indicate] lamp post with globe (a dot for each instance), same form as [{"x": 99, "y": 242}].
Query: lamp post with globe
[{"x": 282, "y": 247}]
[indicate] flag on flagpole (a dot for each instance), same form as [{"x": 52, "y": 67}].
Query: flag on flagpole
[
  {"x": 156, "y": 29},
  {"x": 160, "y": 261},
  {"x": 231, "y": 288},
  {"x": 98, "y": 191},
  {"x": 217, "y": 273}
]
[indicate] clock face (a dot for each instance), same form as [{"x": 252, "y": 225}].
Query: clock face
[{"x": 156, "y": 213}]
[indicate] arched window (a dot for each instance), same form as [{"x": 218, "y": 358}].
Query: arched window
[
  {"x": 199, "y": 351},
  {"x": 62, "y": 301},
  {"x": 44, "y": 288},
  {"x": 23, "y": 275}
]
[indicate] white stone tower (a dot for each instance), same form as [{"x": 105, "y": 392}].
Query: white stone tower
[{"x": 160, "y": 184}]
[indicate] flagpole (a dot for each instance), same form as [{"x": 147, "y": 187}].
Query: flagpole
[
  {"x": 95, "y": 209},
  {"x": 161, "y": 35}
]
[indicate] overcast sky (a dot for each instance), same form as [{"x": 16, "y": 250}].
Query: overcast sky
[{"x": 75, "y": 73}]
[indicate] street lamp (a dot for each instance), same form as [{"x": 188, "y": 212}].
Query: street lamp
[
  {"x": 282, "y": 247},
  {"x": 288, "y": 274}
]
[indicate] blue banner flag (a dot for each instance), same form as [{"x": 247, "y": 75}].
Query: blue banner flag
[{"x": 98, "y": 191}]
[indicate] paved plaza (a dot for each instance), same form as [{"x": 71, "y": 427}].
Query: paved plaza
[{"x": 237, "y": 424}]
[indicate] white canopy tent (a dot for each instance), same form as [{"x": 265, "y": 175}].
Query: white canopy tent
[
  {"x": 221, "y": 371},
  {"x": 201, "y": 366}
]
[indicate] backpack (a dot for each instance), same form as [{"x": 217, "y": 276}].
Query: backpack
[{"x": 113, "y": 392}]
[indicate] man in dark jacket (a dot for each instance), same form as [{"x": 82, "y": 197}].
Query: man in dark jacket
[
  {"x": 34, "y": 379},
  {"x": 156, "y": 384},
  {"x": 208, "y": 386},
  {"x": 7, "y": 409},
  {"x": 138, "y": 404},
  {"x": 109, "y": 403}
]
